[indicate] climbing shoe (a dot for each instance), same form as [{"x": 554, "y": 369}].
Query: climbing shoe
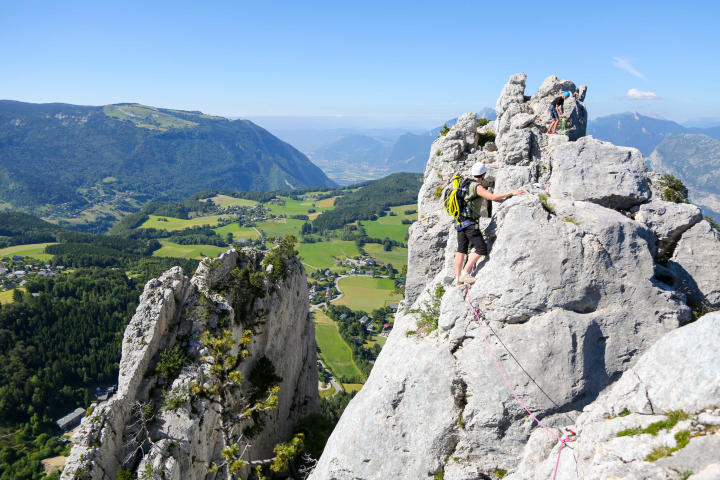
[{"x": 466, "y": 278}]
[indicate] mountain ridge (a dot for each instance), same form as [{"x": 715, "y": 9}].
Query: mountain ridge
[{"x": 76, "y": 156}]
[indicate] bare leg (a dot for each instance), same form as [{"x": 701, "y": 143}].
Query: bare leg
[
  {"x": 474, "y": 257},
  {"x": 459, "y": 260},
  {"x": 553, "y": 126}
]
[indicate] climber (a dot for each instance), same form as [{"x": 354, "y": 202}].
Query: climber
[
  {"x": 468, "y": 229},
  {"x": 556, "y": 110}
]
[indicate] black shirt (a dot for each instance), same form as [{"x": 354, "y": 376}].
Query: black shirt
[{"x": 558, "y": 102}]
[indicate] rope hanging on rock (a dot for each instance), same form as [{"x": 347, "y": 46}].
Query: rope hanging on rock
[{"x": 571, "y": 435}]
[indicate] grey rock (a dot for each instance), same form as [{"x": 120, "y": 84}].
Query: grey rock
[
  {"x": 695, "y": 265},
  {"x": 514, "y": 147},
  {"x": 563, "y": 282},
  {"x": 574, "y": 108},
  {"x": 647, "y": 390},
  {"x": 569, "y": 299},
  {"x": 599, "y": 172},
  {"x": 172, "y": 308},
  {"x": 711, "y": 472},
  {"x": 512, "y": 92},
  {"x": 668, "y": 221},
  {"x": 709, "y": 419}
]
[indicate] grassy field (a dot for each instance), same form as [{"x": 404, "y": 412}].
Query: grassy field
[
  {"x": 291, "y": 207},
  {"x": 7, "y": 296},
  {"x": 34, "y": 250},
  {"x": 367, "y": 293},
  {"x": 352, "y": 387},
  {"x": 173, "y": 224},
  {"x": 326, "y": 202},
  {"x": 237, "y": 231},
  {"x": 397, "y": 256},
  {"x": 334, "y": 352},
  {"x": 391, "y": 226},
  {"x": 227, "y": 200},
  {"x": 170, "y": 249},
  {"x": 322, "y": 255},
  {"x": 282, "y": 227},
  {"x": 379, "y": 339}
]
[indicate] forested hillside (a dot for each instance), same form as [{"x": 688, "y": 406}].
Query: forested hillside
[{"x": 64, "y": 159}]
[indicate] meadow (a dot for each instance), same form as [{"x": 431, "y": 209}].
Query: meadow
[
  {"x": 170, "y": 249},
  {"x": 237, "y": 231},
  {"x": 391, "y": 226},
  {"x": 171, "y": 224},
  {"x": 367, "y": 293},
  {"x": 34, "y": 250},
  {"x": 397, "y": 256},
  {"x": 334, "y": 352},
  {"x": 322, "y": 255},
  {"x": 227, "y": 201}
]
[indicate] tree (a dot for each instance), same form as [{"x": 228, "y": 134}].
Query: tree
[
  {"x": 306, "y": 228},
  {"x": 233, "y": 409},
  {"x": 17, "y": 295}
]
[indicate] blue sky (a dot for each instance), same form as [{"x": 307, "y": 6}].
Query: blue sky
[{"x": 415, "y": 62}]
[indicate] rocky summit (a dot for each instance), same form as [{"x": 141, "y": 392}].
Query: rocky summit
[
  {"x": 164, "y": 421},
  {"x": 589, "y": 299}
]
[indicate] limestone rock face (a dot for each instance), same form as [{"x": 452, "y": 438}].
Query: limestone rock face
[
  {"x": 599, "y": 172},
  {"x": 569, "y": 297},
  {"x": 695, "y": 265},
  {"x": 175, "y": 311},
  {"x": 668, "y": 221},
  {"x": 681, "y": 372}
]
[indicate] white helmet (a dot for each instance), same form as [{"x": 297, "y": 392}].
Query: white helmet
[{"x": 478, "y": 169}]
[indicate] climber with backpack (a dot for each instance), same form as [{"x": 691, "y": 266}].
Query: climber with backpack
[
  {"x": 557, "y": 111},
  {"x": 463, "y": 201}
]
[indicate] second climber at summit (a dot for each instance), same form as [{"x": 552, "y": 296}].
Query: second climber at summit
[
  {"x": 557, "y": 111},
  {"x": 468, "y": 228}
]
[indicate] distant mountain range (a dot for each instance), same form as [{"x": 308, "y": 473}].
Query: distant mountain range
[
  {"x": 690, "y": 153},
  {"x": 355, "y": 155},
  {"x": 77, "y": 157},
  {"x": 695, "y": 159},
  {"x": 641, "y": 131}
]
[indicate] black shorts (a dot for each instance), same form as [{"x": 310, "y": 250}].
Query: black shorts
[{"x": 471, "y": 234}]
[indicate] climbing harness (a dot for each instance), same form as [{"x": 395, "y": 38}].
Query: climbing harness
[{"x": 570, "y": 437}]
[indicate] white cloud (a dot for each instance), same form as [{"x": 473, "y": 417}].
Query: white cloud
[
  {"x": 626, "y": 64},
  {"x": 635, "y": 94}
]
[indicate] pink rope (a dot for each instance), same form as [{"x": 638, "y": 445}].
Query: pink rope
[{"x": 512, "y": 390}]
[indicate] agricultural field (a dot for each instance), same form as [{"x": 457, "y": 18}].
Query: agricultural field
[
  {"x": 322, "y": 255},
  {"x": 170, "y": 249},
  {"x": 334, "y": 352},
  {"x": 397, "y": 256},
  {"x": 34, "y": 250},
  {"x": 367, "y": 293},
  {"x": 171, "y": 224},
  {"x": 227, "y": 201},
  {"x": 391, "y": 226},
  {"x": 281, "y": 227},
  {"x": 326, "y": 203},
  {"x": 237, "y": 231}
]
